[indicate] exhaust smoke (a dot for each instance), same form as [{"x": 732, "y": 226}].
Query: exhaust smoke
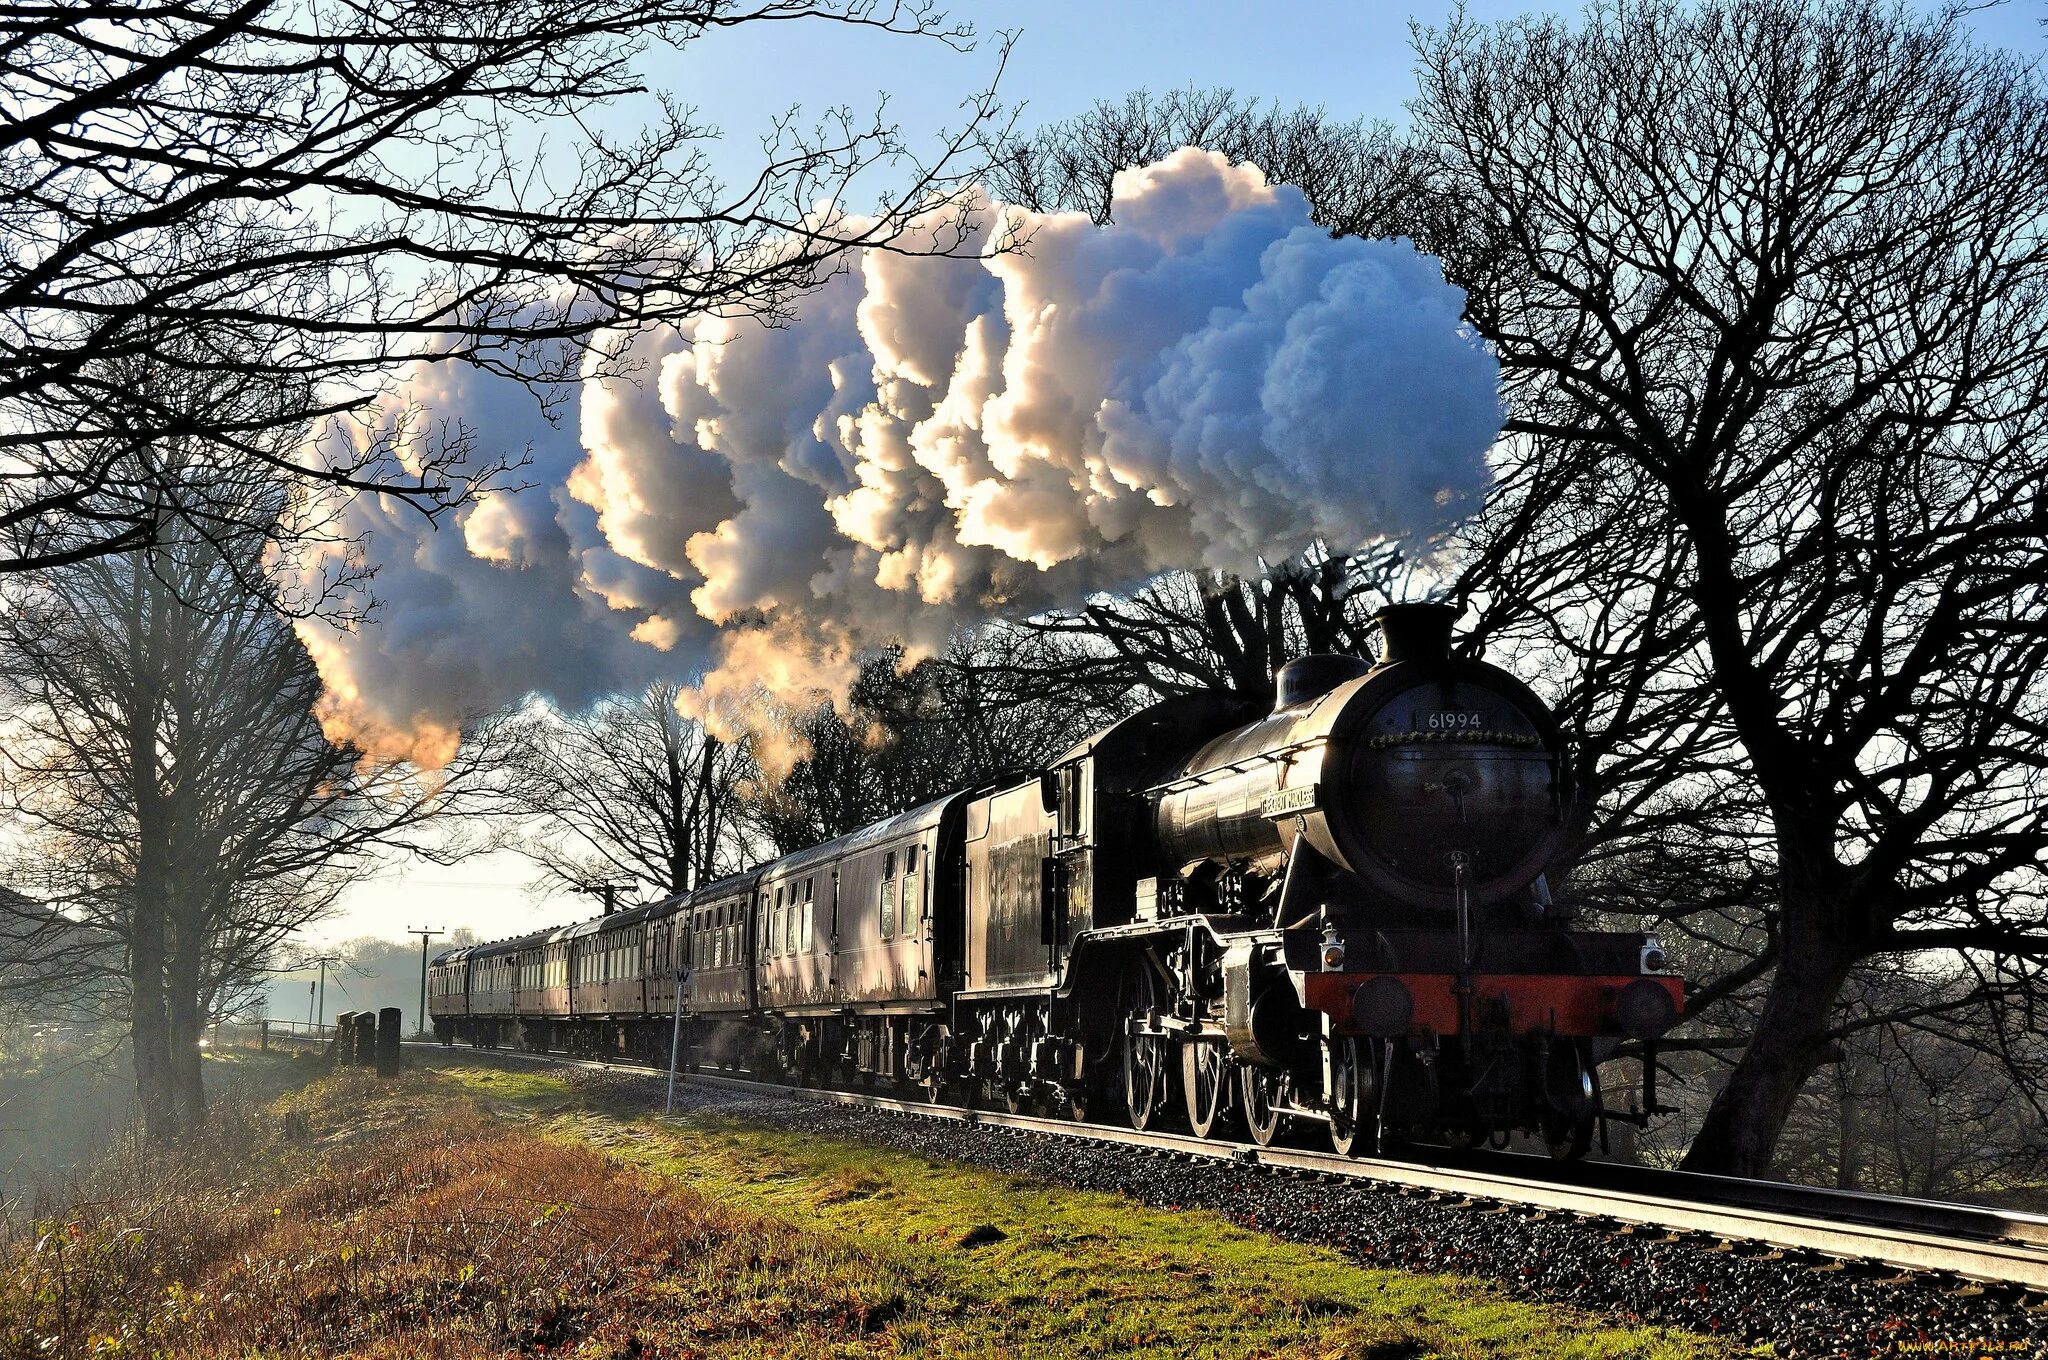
[{"x": 1211, "y": 381}]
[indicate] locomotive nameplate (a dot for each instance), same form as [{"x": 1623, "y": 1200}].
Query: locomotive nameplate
[{"x": 1287, "y": 802}]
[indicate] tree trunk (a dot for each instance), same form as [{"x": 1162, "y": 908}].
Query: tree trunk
[
  {"x": 1740, "y": 1132},
  {"x": 149, "y": 1033},
  {"x": 187, "y": 1024},
  {"x": 1849, "y": 1144},
  {"x": 149, "y": 1027}
]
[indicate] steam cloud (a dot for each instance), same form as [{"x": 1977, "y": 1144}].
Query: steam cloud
[{"x": 1212, "y": 381}]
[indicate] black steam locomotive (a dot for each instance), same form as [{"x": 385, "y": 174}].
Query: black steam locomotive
[{"x": 1334, "y": 913}]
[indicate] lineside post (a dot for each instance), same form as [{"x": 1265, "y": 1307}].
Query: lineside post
[{"x": 675, "y": 1036}]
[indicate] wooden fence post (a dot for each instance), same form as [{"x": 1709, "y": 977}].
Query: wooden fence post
[
  {"x": 341, "y": 1049},
  {"x": 387, "y": 1041}
]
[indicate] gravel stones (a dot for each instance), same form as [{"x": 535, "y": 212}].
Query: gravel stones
[{"x": 1801, "y": 1305}]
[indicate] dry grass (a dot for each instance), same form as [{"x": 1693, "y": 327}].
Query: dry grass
[
  {"x": 476, "y": 1213},
  {"x": 346, "y": 1222}
]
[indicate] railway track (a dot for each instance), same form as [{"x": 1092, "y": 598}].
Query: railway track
[{"x": 1969, "y": 1242}]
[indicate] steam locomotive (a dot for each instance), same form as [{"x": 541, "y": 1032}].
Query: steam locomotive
[{"x": 1333, "y": 914}]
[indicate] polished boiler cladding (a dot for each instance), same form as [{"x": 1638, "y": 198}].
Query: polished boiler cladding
[
  {"x": 1424, "y": 776},
  {"x": 1334, "y": 913}
]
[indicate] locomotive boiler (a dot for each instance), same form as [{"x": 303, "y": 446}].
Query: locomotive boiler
[{"x": 1332, "y": 914}]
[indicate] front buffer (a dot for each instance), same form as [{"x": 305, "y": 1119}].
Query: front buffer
[{"x": 1385, "y": 1036}]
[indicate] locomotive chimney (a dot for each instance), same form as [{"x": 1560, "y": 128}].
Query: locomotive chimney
[{"x": 1415, "y": 632}]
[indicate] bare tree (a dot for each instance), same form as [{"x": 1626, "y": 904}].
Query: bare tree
[
  {"x": 1001, "y": 700},
  {"x": 629, "y": 791},
  {"x": 1918, "y": 1101},
  {"x": 314, "y": 194},
  {"x": 1359, "y": 176},
  {"x": 174, "y": 789},
  {"x": 1187, "y": 631},
  {"x": 1766, "y": 280}
]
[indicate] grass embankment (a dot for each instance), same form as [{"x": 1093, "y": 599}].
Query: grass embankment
[{"x": 471, "y": 1212}]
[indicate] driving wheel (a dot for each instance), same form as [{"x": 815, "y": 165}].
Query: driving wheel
[
  {"x": 1145, "y": 1053},
  {"x": 1260, "y": 1091},
  {"x": 1205, "y": 1082}
]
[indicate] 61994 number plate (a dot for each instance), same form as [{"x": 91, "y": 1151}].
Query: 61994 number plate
[{"x": 1450, "y": 720}]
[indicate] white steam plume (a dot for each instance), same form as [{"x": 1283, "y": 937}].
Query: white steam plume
[{"x": 1211, "y": 381}]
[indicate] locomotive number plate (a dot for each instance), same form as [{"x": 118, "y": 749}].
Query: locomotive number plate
[{"x": 1450, "y": 720}]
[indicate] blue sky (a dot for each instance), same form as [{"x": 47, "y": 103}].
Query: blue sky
[
  {"x": 1352, "y": 59},
  {"x": 1349, "y": 58}
]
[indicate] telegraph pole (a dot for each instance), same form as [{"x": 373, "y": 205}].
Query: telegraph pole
[
  {"x": 606, "y": 890},
  {"x": 320, "y": 992},
  {"x": 424, "y": 935}
]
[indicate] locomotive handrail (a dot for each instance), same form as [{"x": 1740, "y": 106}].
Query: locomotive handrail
[
  {"x": 1278, "y": 755},
  {"x": 1455, "y": 737}
]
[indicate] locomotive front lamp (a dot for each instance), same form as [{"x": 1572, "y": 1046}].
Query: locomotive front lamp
[
  {"x": 1333, "y": 951},
  {"x": 1654, "y": 958}
]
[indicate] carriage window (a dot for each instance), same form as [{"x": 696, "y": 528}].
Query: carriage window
[
  {"x": 889, "y": 895},
  {"x": 804, "y": 940},
  {"x": 912, "y": 900}
]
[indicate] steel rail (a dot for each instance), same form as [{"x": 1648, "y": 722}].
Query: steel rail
[{"x": 1970, "y": 1241}]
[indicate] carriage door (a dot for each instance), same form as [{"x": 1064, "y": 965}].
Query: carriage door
[
  {"x": 916, "y": 911},
  {"x": 832, "y": 957}
]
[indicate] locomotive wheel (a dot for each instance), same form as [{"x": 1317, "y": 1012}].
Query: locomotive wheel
[
  {"x": 1205, "y": 1083},
  {"x": 1259, "y": 1090},
  {"x": 1145, "y": 1055},
  {"x": 1569, "y": 1125},
  {"x": 1354, "y": 1098}
]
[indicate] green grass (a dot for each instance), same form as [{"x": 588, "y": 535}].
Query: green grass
[
  {"x": 473, "y": 1213},
  {"x": 1074, "y": 1273}
]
